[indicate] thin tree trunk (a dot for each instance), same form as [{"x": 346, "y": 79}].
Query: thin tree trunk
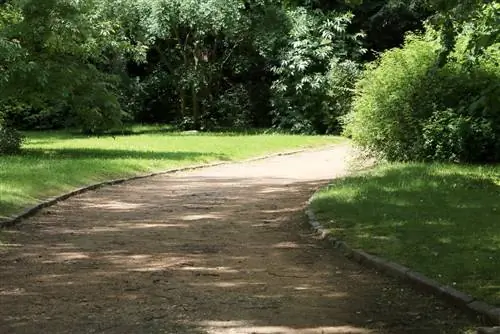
[
  {"x": 183, "y": 102},
  {"x": 196, "y": 109}
]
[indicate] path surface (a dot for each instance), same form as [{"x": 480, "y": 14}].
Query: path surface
[{"x": 220, "y": 250}]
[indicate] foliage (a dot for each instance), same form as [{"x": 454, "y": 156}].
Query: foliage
[
  {"x": 384, "y": 22},
  {"x": 315, "y": 64},
  {"x": 200, "y": 53},
  {"x": 53, "y": 54},
  {"x": 10, "y": 140},
  {"x": 200, "y": 65},
  {"x": 232, "y": 109},
  {"x": 446, "y": 135},
  {"x": 213, "y": 64},
  {"x": 342, "y": 78},
  {"x": 383, "y": 119},
  {"x": 407, "y": 109},
  {"x": 479, "y": 18}
]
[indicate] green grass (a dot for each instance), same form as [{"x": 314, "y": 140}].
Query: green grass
[
  {"x": 55, "y": 162},
  {"x": 441, "y": 220}
]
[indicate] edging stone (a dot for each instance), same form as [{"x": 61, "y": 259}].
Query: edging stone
[
  {"x": 457, "y": 298},
  {"x": 425, "y": 283},
  {"x": 487, "y": 311},
  {"x": 13, "y": 220}
]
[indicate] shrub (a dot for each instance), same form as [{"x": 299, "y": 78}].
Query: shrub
[
  {"x": 342, "y": 77},
  {"x": 407, "y": 108},
  {"x": 454, "y": 137},
  {"x": 10, "y": 140},
  {"x": 232, "y": 109},
  {"x": 383, "y": 116}
]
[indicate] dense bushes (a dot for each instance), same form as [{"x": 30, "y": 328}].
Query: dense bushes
[
  {"x": 316, "y": 71},
  {"x": 10, "y": 140},
  {"x": 197, "y": 65},
  {"x": 290, "y": 64},
  {"x": 408, "y": 108}
]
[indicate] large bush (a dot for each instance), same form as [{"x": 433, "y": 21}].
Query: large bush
[
  {"x": 408, "y": 108},
  {"x": 10, "y": 140}
]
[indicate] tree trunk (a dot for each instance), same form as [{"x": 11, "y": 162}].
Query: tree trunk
[
  {"x": 182, "y": 97},
  {"x": 196, "y": 109}
]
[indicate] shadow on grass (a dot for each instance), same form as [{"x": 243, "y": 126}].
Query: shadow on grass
[
  {"x": 37, "y": 173},
  {"x": 443, "y": 220},
  {"x": 48, "y": 137},
  {"x": 86, "y": 153},
  {"x": 173, "y": 132}
]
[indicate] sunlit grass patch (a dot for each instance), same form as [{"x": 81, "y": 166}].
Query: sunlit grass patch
[{"x": 442, "y": 220}]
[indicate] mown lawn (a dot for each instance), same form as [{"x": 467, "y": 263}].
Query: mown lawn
[
  {"x": 441, "y": 220},
  {"x": 54, "y": 162}
]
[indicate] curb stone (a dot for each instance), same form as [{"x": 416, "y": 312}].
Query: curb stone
[
  {"x": 484, "y": 311},
  {"x": 13, "y": 220}
]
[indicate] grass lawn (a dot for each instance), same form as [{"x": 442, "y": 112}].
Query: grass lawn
[
  {"x": 54, "y": 162},
  {"x": 441, "y": 220}
]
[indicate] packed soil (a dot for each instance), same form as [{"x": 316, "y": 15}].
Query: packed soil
[{"x": 221, "y": 250}]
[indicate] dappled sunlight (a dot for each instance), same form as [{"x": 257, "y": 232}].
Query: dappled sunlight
[
  {"x": 49, "y": 228},
  {"x": 302, "y": 287},
  {"x": 192, "y": 254},
  {"x": 14, "y": 292},
  {"x": 416, "y": 214},
  {"x": 201, "y": 217},
  {"x": 265, "y": 224},
  {"x": 233, "y": 284},
  {"x": 55, "y": 230},
  {"x": 70, "y": 256},
  {"x": 269, "y": 190},
  {"x": 120, "y": 227},
  {"x": 113, "y": 205},
  {"x": 286, "y": 244},
  {"x": 245, "y": 327},
  {"x": 283, "y": 210},
  {"x": 336, "y": 295},
  {"x": 145, "y": 225},
  {"x": 146, "y": 262},
  {"x": 9, "y": 245},
  {"x": 51, "y": 277},
  {"x": 218, "y": 270}
]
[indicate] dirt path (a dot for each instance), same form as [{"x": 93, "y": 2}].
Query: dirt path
[{"x": 220, "y": 250}]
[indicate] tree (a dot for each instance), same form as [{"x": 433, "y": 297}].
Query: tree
[
  {"x": 479, "y": 18},
  {"x": 320, "y": 52},
  {"x": 204, "y": 56},
  {"x": 60, "y": 56}
]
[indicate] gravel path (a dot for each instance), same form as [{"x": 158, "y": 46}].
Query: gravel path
[{"x": 220, "y": 250}]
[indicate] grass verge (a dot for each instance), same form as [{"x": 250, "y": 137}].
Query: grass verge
[
  {"x": 441, "y": 220},
  {"x": 55, "y": 162}
]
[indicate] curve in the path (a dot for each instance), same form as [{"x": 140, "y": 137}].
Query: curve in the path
[{"x": 219, "y": 250}]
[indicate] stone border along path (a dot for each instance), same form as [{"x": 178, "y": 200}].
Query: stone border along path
[
  {"x": 218, "y": 250},
  {"x": 457, "y": 298}
]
